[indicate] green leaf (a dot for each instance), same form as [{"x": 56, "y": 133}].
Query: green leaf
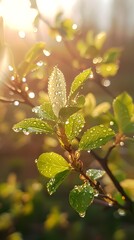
[
  {"x": 123, "y": 111},
  {"x": 81, "y": 197},
  {"x": 74, "y": 125},
  {"x": 45, "y": 111},
  {"x": 90, "y": 104},
  {"x": 50, "y": 164},
  {"x": 107, "y": 69},
  {"x": 95, "y": 173},
  {"x": 67, "y": 29},
  {"x": 95, "y": 137},
  {"x": 32, "y": 125},
  {"x": 112, "y": 55},
  {"x": 79, "y": 80},
  {"x": 66, "y": 112},
  {"x": 55, "y": 182},
  {"x": 101, "y": 108},
  {"x": 31, "y": 57},
  {"x": 99, "y": 40},
  {"x": 57, "y": 90}
]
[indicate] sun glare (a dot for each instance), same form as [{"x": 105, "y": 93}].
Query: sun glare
[
  {"x": 17, "y": 14},
  {"x": 49, "y": 8}
]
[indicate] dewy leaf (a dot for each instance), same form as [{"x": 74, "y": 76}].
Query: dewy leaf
[
  {"x": 95, "y": 137},
  {"x": 81, "y": 197},
  {"x": 57, "y": 90},
  {"x": 74, "y": 125},
  {"x": 56, "y": 181},
  {"x": 28, "y": 64},
  {"x": 95, "y": 173},
  {"x": 45, "y": 111},
  {"x": 50, "y": 164},
  {"x": 66, "y": 112},
  {"x": 123, "y": 110},
  {"x": 32, "y": 125},
  {"x": 79, "y": 80}
]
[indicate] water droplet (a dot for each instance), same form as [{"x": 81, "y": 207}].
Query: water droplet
[
  {"x": 111, "y": 123},
  {"x": 26, "y": 88},
  {"x": 67, "y": 122},
  {"x": 22, "y": 34},
  {"x": 58, "y": 38},
  {"x": 74, "y": 26},
  {"x": 110, "y": 204},
  {"x": 101, "y": 125},
  {"x": 12, "y": 78},
  {"x": 16, "y": 103},
  {"x": 36, "y": 160},
  {"x": 24, "y": 80},
  {"x": 31, "y": 95},
  {"x": 82, "y": 214},
  {"x": 26, "y": 132},
  {"x": 10, "y": 68},
  {"x": 121, "y": 212},
  {"x": 96, "y": 193},
  {"x": 46, "y": 53},
  {"x": 40, "y": 63},
  {"x": 121, "y": 143},
  {"x": 106, "y": 82},
  {"x": 91, "y": 75},
  {"x": 16, "y": 129}
]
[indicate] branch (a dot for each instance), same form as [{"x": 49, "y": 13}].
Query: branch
[{"x": 103, "y": 163}]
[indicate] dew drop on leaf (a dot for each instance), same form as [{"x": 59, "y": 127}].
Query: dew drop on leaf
[
  {"x": 121, "y": 212},
  {"x": 82, "y": 214}
]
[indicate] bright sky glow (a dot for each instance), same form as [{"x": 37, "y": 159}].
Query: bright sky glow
[
  {"x": 49, "y": 8},
  {"x": 17, "y": 14}
]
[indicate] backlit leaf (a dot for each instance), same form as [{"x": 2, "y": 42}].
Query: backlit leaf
[
  {"x": 81, "y": 197},
  {"x": 101, "y": 108},
  {"x": 74, "y": 125},
  {"x": 32, "y": 125},
  {"x": 50, "y": 164},
  {"x": 66, "y": 112},
  {"x": 123, "y": 110},
  {"x": 95, "y": 173},
  {"x": 95, "y": 137},
  {"x": 28, "y": 64},
  {"x": 56, "y": 181},
  {"x": 57, "y": 90},
  {"x": 80, "y": 80},
  {"x": 99, "y": 40},
  {"x": 45, "y": 111}
]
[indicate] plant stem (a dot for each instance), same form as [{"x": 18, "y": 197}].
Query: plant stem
[{"x": 104, "y": 165}]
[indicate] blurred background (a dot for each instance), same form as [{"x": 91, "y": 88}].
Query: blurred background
[{"x": 27, "y": 212}]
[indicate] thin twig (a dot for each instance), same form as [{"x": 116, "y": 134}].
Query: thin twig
[{"x": 112, "y": 177}]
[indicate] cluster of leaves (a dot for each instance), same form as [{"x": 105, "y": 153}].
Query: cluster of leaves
[
  {"x": 64, "y": 117},
  {"x": 106, "y": 63}
]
